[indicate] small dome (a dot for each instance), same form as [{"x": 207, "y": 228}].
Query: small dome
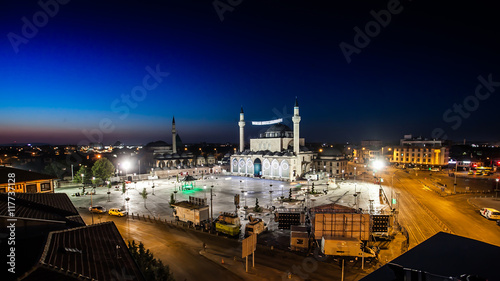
[
  {"x": 175, "y": 155},
  {"x": 168, "y": 156}
]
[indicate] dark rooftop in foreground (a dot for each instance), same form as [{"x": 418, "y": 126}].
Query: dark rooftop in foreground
[
  {"x": 22, "y": 175},
  {"x": 444, "y": 255},
  {"x": 42, "y": 206},
  {"x": 85, "y": 253}
]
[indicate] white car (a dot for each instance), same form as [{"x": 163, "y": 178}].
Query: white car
[
  {"x": 490, "y": 213},
  {"x": 117, "y": 212}
]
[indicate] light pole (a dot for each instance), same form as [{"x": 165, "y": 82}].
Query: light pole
[
  {"x": 455, "y": 182},
  {"x": 496, "y": 190}
]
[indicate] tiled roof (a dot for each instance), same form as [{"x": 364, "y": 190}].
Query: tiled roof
[
  {"x": 22, "y": 175},
  {"x": 44, "y": 206},
  {"x": 88, "y": 252}
]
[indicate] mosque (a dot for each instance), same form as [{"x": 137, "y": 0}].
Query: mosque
[
  {"x": 279, "y": 153},
  {"x": 177, "y": 156}
]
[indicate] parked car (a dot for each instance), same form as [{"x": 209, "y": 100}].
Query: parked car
[
  {"x": 490, "y": 213},
  {"x": 117, "y": 212},
  {"x": 97, "y": 209}
]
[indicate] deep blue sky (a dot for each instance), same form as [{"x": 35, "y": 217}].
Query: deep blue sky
[{"x": 65, "y": 78}]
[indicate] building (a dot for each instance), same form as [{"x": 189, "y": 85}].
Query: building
[
  {"x": 22, "y": 181},
  {"x": 278, "y": 153},
  {"x": 171, "y": 160},
  {"x": 330, "y": 161},
  {"x": 421, "y": 152},
  {"x": 52, "y": 241}
]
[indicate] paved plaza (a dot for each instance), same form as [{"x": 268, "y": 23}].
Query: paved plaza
[{"x": 225, "y": 187}]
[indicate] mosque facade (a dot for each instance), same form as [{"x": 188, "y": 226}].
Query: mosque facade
[{"x": 279, "y": 153}]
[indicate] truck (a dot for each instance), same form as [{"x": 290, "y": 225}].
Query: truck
[
  {"x": 345, "y": 246},
  {"x": 192, "y": 211},
  {"x": 254, "y": 225},
  {"x": 228, "y": 223}
]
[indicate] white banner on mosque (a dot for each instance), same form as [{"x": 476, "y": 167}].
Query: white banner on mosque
[{"x": 270, "y": 122}]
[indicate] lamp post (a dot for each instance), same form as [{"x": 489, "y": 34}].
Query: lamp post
[
  {"x": 455, "y": 182},
  {"x": 496, "y": 190}
]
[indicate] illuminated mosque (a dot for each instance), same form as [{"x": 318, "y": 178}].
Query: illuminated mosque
[{"x": 279, "y": 153}]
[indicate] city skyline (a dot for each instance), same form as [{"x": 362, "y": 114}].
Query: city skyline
[{"x": 374, "y": 70}]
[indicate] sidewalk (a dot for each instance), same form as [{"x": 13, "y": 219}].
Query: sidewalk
[
  {"x": 485, "y": 202},
  {"x": 234, "y": 263}
]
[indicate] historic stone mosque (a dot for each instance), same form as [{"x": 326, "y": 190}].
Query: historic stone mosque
[{"x": 279, "y": 153}]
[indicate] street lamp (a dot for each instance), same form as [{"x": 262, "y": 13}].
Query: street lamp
[
  {"x": 455, "y": 182},
  {"x": 496, "y": 190}
]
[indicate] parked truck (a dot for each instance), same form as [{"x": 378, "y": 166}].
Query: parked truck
[
  {"x": 194, "y": 211},
  {"x": 254, "y": 225},
  {"x": 344, "y": 246},
  {"x": 228, "y": 223}
]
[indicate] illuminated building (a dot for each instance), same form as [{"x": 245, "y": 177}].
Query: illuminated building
[{"x": 278, "y": 153}]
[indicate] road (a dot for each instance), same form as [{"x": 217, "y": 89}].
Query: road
[
  {"x": 424, "y": 212},
  {"x": 180, "y": 249}
]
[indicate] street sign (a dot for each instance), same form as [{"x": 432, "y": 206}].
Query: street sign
[{"x": 248, "y": 245}]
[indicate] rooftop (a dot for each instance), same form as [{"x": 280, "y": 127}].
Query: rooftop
[
  {"x": 89, "y": 252},
  {"x": 22, "y": 175}
]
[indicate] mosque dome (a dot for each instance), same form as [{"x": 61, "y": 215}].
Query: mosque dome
[{"x": 278, "y": 131}]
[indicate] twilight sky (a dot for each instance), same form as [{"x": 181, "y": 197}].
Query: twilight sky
[{"x": 80, "y": 71}]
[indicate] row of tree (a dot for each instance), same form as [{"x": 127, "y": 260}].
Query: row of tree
[{"x": 102, "y": 170}]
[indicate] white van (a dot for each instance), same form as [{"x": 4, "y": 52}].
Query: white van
[{"x": 490, "y": 213}]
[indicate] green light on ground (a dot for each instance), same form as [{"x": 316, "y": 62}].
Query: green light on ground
[{"x": 191, "y": 191}]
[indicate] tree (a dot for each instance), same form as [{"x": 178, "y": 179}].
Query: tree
[
  {"x": 172, "y": 200},
  {"x": 144, "y": 195},
  {"x": 290, "y": 194},
  {"x": 257, "y": 208},
  {"x": 103, "y": 169},
  {"x": 87, "y": 175},
  {"x": 151, "y": 268},
  {"x": 312, "y": 188},
  {"x": 55, "y": 169}
]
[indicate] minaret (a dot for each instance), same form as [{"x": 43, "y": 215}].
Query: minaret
[
  {"x": 296, "y": 121},
  {"x": 174, "y": 136},
  {"x": 242, "y": 130}
]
